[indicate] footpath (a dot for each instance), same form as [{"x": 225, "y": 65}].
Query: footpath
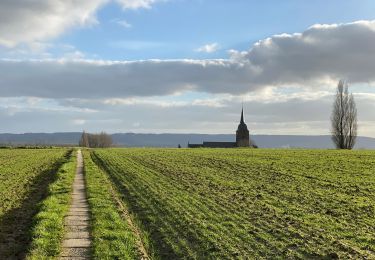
[{"x": 77, "y": 242}]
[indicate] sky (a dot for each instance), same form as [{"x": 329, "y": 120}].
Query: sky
[{"x": 183, "y": 66}]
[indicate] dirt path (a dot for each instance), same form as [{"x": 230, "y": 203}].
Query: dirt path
[{"x": 77, "y": 241}]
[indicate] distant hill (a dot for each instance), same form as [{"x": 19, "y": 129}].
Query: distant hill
[
  {"x": 173, "y": 140},
  {"x": 68, "y": 138}
]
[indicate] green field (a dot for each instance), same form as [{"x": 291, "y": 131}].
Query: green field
[
  {"x": 48, "y": 224},
  {"x": 247, "y": 203},
  {"x": 24, "y": 178},
  {"x": 193, "y": 203},
  {"x": 112, "y": 236}
]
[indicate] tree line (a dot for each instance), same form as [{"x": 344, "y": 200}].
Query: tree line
[{"x": 100, "y": 140}]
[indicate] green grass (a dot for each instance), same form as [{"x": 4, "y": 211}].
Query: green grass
[
  {"x": 247, "y": 203},
  {"x": 24, "y": 178},
  {"x": 48, "y": 230},
  {"x": 113, "y": 238}
]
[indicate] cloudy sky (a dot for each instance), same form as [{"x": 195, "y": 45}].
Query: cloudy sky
[{"x": 183, "y": 66}]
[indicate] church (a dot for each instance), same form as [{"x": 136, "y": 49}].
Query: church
[{"x": 242, "y": 138}]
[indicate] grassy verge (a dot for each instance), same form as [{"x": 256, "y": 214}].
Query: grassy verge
[
  {"x": 48, "y": 230},
  {"x": 24, "y": 178},
  {"x": 113, "y": 238}
]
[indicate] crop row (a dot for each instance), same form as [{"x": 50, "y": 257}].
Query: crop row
[
  {"x": 24, "y": 178},
  {"x": 217, "y": 203},
  {"x": 112, "y": 235}
]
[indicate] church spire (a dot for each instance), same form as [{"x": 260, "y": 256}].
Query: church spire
[
  {"x": 242, "y": 133},
  {"x": 242, "y": 121}
]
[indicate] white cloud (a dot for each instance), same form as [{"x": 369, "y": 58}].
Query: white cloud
[
  {"x": 286, "y": 82},
  {"x": 32, "y": 22},
  {"x": 208, "y": 48},
  {"x": 74, "y": 55},
  {"x": 124, "y": 23},
  {"x": 135, "y": 4},
  {"x": 162, "y": 102},
  {"x": 79, "y": 121},
  {"x": 314, "y": 59},
  {"x": 322, "y": 53}
]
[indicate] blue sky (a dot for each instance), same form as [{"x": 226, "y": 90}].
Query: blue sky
[
  {"x": 183, "y": 65},
  {"x": 176, "y": 28}
]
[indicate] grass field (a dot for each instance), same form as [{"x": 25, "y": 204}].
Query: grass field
[
  {"x": 24, "y": 178},
  {"x": 247, "y": 203},
  {"x": 113, "y": 238},
  {"x": 193, "y": 203},
  {"x": 48, "y": 223}
]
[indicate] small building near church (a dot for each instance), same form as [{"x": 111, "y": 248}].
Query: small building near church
[{"x": 242, "y": 138}]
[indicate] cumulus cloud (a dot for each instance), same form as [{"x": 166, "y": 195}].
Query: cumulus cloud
[
  {"x": 208, "y": 48},
  {"x": 41, "y": 20},
  {"x": 273, "y": 78},
  {"x": 30, "y": 21},
  {"x": 105, "y": 79},
  {"x": 124, "y": 23},
  {"x": 315, "y": 58},
  {"x": 322, "y": 52}
]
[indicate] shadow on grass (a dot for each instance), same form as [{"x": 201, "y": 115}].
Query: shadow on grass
[
  {"x": 159, "y": 248},
  {"x": 16, "y": 224}
]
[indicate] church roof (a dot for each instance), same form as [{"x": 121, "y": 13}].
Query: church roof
[
  {"x": 195, "y": 145},
  {"x": 220, "y": 144}
]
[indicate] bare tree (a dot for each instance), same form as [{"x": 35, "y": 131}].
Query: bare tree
[
  {"x": 101, "y": 140},
  {"x": 351, "y": 123},
  {"x": 84, "y": 141},
  {"x": 344, "y": 118},
  {"x": 105, "y": 140}
]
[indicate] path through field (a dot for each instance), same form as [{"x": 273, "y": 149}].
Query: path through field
[{"x": 77, "y": 241}]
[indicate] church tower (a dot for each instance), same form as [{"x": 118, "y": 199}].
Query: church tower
[{"x": 242, "y": 134}]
